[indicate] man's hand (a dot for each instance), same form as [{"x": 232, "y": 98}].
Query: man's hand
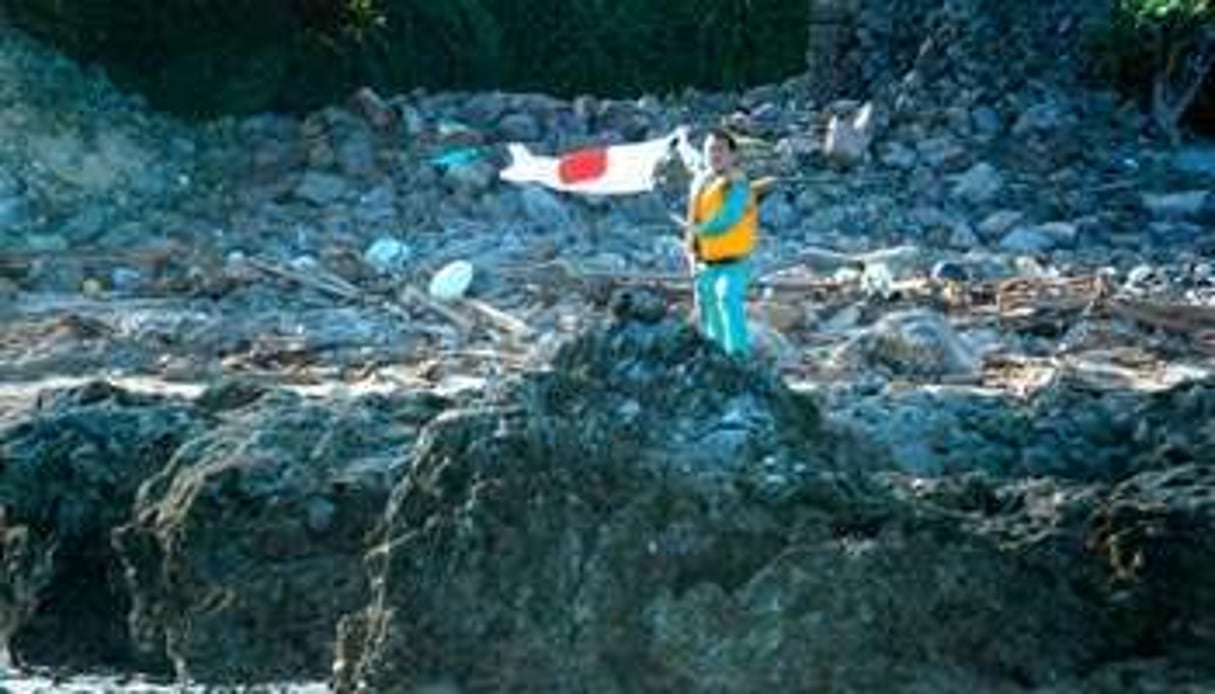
[
  {"x": 691, "y": 244},
  {"x": 690, "y": 230}
]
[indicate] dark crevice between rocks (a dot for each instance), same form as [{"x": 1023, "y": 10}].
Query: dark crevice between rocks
[
  {"x": 81, "y": 623},
  {"x": 68, "y": 476}
]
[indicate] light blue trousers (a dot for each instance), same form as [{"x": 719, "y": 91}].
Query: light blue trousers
[{"x": 721, "y": 302}]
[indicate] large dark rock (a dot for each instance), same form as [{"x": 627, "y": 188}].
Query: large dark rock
[
  {"x": 1106, "y": 434},
  {"x": 246, "y": 549},
  {"x": 1155, "y": 535},
  {"x": 68, "y": 475},
  {"x": 1069, "y": 430},
  {"x": 598, "y": 530}
]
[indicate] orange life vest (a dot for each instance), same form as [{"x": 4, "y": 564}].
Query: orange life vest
[{"x": 736, "y": 242}]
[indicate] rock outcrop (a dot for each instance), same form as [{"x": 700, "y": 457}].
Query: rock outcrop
[
  {"x": 535, "y": 546},
  {"x": 69, "y": 472},
  {"x": 246, "y": 549}
]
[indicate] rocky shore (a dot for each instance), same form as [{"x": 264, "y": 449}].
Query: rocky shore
[{"x": 241, "y": 444}]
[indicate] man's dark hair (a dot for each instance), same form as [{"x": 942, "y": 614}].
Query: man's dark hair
[{"x": 725, "y": 136}]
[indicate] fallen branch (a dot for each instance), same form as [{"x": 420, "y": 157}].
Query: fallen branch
[
  {"x": 505, "y": 321},
  {"x": 149, "y": 255},
  {"x": 317, "y": 279},
  {"x": 33, "y": 305},
  {"x": 1034, "y": 295},
  {"x": 1185, "y": 319},
  {"x": 412, "y": 295},
  {"x": 333, "y": 285}
]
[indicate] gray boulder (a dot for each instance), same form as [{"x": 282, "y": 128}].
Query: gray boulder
[
  {"x": 1199, "y": 160},
  {"x": 979, "y": 184},
  {"x": 321, "y": 188},
  {"x": 1178, "y": 205},
  {"x": 914, "y": 344}
]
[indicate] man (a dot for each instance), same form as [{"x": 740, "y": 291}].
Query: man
[{"x": 722, "y": 228}]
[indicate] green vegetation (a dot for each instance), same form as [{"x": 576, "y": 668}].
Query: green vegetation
[
  {"x": 205, "y": 57},
  {"x": 1164, "y": 50}
]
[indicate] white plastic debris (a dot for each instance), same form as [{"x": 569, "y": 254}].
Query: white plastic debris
[
  {"x": 877, "y": 280},
  {"x": 452, "y": 281},
  {"x": 304, "y": 263},
  {"x": 387, "y": 255}
]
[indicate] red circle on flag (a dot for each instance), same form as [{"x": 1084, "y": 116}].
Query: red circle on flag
[{"x": 582, "y": 165}]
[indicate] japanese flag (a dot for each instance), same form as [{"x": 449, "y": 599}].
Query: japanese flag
[{"x": 615, "y": 170}]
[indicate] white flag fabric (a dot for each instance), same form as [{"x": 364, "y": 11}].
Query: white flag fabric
[{"x": 615, "y": 170}]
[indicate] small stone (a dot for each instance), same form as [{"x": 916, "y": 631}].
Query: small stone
[
  {"x": 898, "y": 156},
  {"x": 320, "y": 513},
  {"x": 377, "y": 112},
  {"x": 807, "y": 201},
  {"x": 941, "y": 152},
  {"x": 911, "y": 343},
  {"x": 1063, "y": 233},
  {"x": 979, "y": 184},
  {"x": 963, "y": 237},
  {"x": 932, "y": 217},
  {"x": 46, "y": 243},
  {"x": 89, "y": 223},
  {"x": 1041, "y": 238},
  {"x": 1168, "y": 233},
  {"x": 387, "y": 256},
  {"x": 9, "y": 184},
  {"x": 986, "y": 121},
  {"x": 1176, "y": 205},
  {"x": 14, "y": 213},
  {"x": 1197, "y": 159},
  {"x": 321, "y": 188},
  {"x": 783, "y": 317},
  {"x": 545, "y": 209},
  {"x": 473, "y": 177},
  {"x": 356, "y": 154},
  {"x": 1039, "y": 118},
  {"x": 91, "y": 287},
  {"x": 776, "y": 213},
  {"x": 845, "y": 319},
  {"x": 126, "y": 280},
  {"x": 1027, "y": 240},
  {"x": 638, "y": 305},
  {"x": 999, "y": 223},
  {"x": 8, "y": 289},
  {"x": 520, "y": 127}
]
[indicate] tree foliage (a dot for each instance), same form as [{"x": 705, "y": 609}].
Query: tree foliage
[
  {"x": 1165, "y": 51},
  {"x": 210, "y": 56},
  {"x": 1174, "y": 11}
]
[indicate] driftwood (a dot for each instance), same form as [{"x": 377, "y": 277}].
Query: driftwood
[
  {"x": 148, "y": 255},
  {"x": 897, "y": 259},
  {"x": 503, "y": 320},
  {"x": 1033, "y": 295},
  {"x": 32, "y": 305},
  {"x": 331, "y": 284},
  {"x": 413, "y": 295},
  {"x": 317, "y": 279},
  {"x": 1185, "y": 319}
]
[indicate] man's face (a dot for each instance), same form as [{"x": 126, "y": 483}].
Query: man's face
[{"x": 717, "y": 151}]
